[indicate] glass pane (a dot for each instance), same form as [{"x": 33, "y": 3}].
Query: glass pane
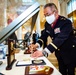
[
  {"x": 28, "y": 2},
  {"x": 73, "y": 5},
  {"x": 69, "y": 8}
]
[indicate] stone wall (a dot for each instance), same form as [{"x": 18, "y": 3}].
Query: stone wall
[{"x": 3, "y": 5}]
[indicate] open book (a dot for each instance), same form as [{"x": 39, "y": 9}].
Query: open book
[{"x": 30, "y": 62}]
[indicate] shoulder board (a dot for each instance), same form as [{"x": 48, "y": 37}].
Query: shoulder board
[{"x": 62, "y": 18}]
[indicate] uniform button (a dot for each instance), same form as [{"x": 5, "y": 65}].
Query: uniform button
[
  {"x": 73, "y": 46},
  {"x": 52, "y": 38},
  {"x": 62, "y": 18},
  {"x": 58, "y": 49},
  {"x": 74, "y": 32}
]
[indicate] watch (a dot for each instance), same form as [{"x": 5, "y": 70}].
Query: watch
[{"x": 45, "y": 53}]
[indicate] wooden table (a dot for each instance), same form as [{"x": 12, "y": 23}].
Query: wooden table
[{"x": 20, "y": 70}]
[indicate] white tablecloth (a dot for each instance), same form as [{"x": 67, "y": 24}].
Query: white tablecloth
[{"x": 20, "y": 70}]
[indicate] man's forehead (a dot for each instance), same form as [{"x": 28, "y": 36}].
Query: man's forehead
[{"x": 47, "y": 10}]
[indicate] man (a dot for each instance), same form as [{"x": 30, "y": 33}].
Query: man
[
  {"x": 27, "y": 38},
  {"x": 35, "y": 37},
  {"x": 63, "y": 42}
]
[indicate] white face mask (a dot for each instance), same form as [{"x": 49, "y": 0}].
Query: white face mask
[{"x": 50, "y": 19}]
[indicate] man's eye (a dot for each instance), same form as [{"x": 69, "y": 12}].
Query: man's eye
[{"x": 47, "y": 15}]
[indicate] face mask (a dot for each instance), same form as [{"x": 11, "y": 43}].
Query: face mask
[{"x": 50, "y": 19}]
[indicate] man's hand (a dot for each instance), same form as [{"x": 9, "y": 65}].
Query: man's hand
[
  {"x": 37, "y": 54},
  {"x": 33, "y": 47}
]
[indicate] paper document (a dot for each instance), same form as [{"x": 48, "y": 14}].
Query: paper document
[{"x": 24, "y": 62}]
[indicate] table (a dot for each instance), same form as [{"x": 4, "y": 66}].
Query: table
[{"x": 20, "y": 70}]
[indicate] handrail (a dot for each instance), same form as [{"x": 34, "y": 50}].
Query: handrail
[{"x": 19, "y": 21}]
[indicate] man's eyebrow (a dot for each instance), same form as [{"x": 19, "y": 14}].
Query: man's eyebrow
[{"x": 46, "y": 14}]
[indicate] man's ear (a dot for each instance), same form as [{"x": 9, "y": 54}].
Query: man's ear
[{"x": 56, "y": 12}]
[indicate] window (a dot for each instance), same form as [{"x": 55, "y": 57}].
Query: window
[
  {"x": 71, "y": 6},
  {"x": 28, "y": 0}
]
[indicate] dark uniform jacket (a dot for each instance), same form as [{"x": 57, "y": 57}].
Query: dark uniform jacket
[{"x": 63, "y": 40}]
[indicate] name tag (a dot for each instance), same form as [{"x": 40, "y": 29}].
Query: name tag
[
  {"x": 47, "y": 31},
  {"x": 57, "y": 30}
]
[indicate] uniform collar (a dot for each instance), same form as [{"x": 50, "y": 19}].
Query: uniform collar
[{"x": 53, "y": 24}]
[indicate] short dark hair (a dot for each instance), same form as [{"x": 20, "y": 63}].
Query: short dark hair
[{"x": 51, "y": 5}]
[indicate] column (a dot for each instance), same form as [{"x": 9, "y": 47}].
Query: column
[
  {"x": 3, "y": 4},
  {"x": 63, "y": 8},
  {"x": 38, "y": 29},
  {"x": 19, "y": 33},
  {"x": 5, "y": 14},
  {"x": 47, "y": 1}
]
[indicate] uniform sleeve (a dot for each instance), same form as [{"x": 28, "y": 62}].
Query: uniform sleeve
[{"x": 62, "y": 37}]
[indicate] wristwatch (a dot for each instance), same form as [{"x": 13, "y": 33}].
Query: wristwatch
[{"x": 45, "y": 53}]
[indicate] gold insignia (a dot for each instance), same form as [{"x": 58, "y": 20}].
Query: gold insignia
[
  {"x": 63, "y": 18},
  {"x": 73, "y": 46},
  {"x": 54, "y": 45},
  {"x": 58, "y": 49},
  {"x": 52, "y": 38},
  {"x": 40, "y": 40}
]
